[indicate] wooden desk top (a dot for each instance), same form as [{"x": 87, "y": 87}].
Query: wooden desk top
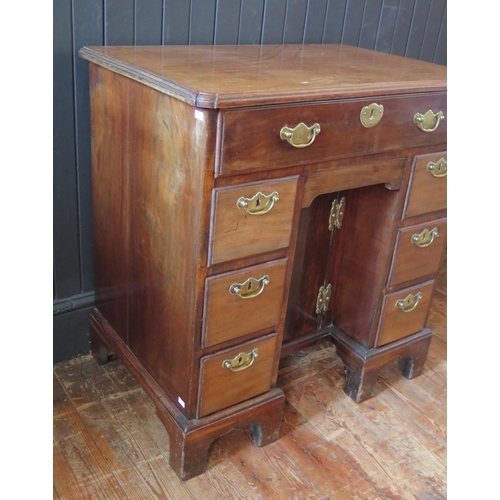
[{"x": 226, "y": 76}]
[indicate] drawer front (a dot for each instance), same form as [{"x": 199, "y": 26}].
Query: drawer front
[
  {"x": 418, "y": 251},
  {"x": 221, "y": 387},
  {"x": 396, "y": 323},
  {"x": 252, "y": 219},
  {"x": 428, "y": 185},
  {"x": 243, "y": 302},
  {"x": 252, "y": 139}
]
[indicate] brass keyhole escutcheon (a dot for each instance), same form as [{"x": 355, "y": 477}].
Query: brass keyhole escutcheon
[{"x": 371, "y": 114}]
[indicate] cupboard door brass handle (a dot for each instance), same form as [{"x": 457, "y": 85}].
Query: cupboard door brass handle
[
  {"x": 300, "y": 136},
  {"x": 425, "y": 238},
  {"x": 429, "y": 121},
  {"x": 259, "y": 203},
  {"x": 409, "y": 303},
  {"x": 250, "y": 288},
  {"x": 438, "y": 168},
  {"x": 241, "y": 361}
]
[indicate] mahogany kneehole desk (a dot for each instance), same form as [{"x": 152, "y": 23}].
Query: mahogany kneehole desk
[{"x": 250, "y": 201}]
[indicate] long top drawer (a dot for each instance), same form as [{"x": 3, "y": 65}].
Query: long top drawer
[{"x": 273, "y": 137}]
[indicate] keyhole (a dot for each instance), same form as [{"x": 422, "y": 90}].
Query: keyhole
[
  {"x": 249, "y": 285},
  {"x": 372, "y": 113},
  {"x": 240, "y": 360},
  {"x": 257, "y": 203}
]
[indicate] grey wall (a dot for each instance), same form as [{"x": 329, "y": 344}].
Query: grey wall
[{"x": 413, "y": 28}]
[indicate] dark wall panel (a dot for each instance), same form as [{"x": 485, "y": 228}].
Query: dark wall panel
[
  {"x": 370, "y": 25},
  {"x": 202, "y": 22},
  {"x": 432, "y": 30},
  {"x": 87, "y": 30},
  {"x": 387, "y": 25},
  {"x": 274, "y": 21},
  {"x": 148, "y": 22},
  {"x": 295, "y": 16},
  {"x": 119, "y": 26},
  {"x": 334, "y": 22},
  {"x": 251, "y": 16},
  {"x": 227, "y": 22},
  {"x": 440, "y": 54},
  {"x": 417, "y": 29},
  {"x": 65, "y": 222},
  {"x": 412, "y": 28},
  {"x": 352, "y": 22},
  {"x": 402, "y": 28},
  {"x": 176, "y": 22},
  {"x": 315, "y": 21}
]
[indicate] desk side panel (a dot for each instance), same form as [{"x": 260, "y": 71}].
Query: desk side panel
[
  {"x": 172, "y": 147},
  {"x": 110, "y": 181}
]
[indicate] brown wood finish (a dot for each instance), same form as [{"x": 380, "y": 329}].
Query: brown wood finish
[
  {"x": 427, "y": 193},
  {"x": 309, "y": 272},
  {"x": 363, "y": 365},
  {"x": 179, "y": 241},
  {"x": 221, "y": 387},
  {"x": 256, "y": 75},
  {"x": 171, "y": 160},
  {"x": 348, "y": 176},
  {"x": 413, "y": 262},
  {"x": 109, "y": 441},
  {"x": 111, "y": 201},
  {"x": 190, "y": 440},
  {"x": 230, "y": 316},
  {"x": 361, "y": 259},
  {"x": 237, "y": 234},
  {"x": 342, "y": 133},
  {"x": 395, "y": 323}
]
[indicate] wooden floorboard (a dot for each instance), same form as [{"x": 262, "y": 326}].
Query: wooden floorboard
[{"x": 110, "y": 444}]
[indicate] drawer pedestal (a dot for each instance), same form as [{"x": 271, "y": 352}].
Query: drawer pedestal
[
  {"x": 363, "y": 365},
  {"x": 190, "y": 440}
]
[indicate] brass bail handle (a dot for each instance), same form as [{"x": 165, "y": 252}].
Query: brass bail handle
[
  {"x": 241, "y": 361},
  {"x": 425, "y": 238},
  {"x": 250, "y": 288},
  {"x": 259, "y": 203},
  {"x": 300, "y": 136},
  {"x": 409, "y": 303},
  {"x": 429, "y": 121}
]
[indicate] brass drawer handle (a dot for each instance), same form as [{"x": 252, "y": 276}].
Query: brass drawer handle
[
  {"x": 259, "y": 203},
  {"x": 425, "y": 238},
  {"x": 371, "y": 115},
  {"x": 300, "y": 136},
  {"x": 409, "y": 303},
  {"x": 438, "y": 168},
  {"x": 241, "y": 361},
  {"x": 251, "y": 288},
  {"x": 428, "y": 122}
]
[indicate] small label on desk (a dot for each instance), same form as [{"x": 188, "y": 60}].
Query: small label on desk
[
  {"x": 181, "y": 402},
  {"x": 199, "y": 115}
]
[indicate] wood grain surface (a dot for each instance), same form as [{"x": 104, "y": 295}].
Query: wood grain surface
[
  {"x": 221, "y": 388},
  {"x": 411, "y": 261},
  {"x": 229, "y": 76},
  {"x": 252, "y": 141},
  {"x": 427, "y": 193},
  {"x": 228, "y": 316},
  {"x": 109, "y": 442},
  {"x": 236, "y": 233},
  {"x": 395, "y": 323}
]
